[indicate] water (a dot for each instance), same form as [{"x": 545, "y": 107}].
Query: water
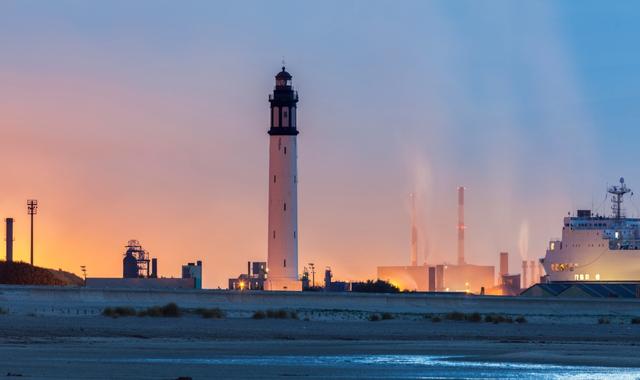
[{"x": 393, "y": 366}]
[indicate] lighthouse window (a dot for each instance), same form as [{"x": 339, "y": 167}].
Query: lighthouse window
[
  {"x": 285, "y": 150},
  {"x": 293, "y": 117},
  {"x": 597, "y": 276},
  {"x": 276, "y": 116},
  {"x": 285, "y": 117},
  {"x": 294, "y": 234},
  {"x": 285, "y": 207},
  {"x": 285, "y": 263},
  {"x": 274, "y": 234},
  {"x": 274, "y": 179}
]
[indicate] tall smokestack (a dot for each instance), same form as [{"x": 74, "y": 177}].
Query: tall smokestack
[
  {"x": 9, "y": 238},
  {"x": 461, "y": 226},
  {"x": 504, "y": 264},
  {"x": 525, "y": 283},
  {"x": 154, "y": 268},
  {"x": 534, "y": 271},
  {"x": 414, "y": 232}
]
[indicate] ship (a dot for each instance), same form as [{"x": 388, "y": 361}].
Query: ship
[{"x": 596, "y": 248}]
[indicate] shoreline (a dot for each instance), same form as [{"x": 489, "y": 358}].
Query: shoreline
[
  {"x": 44, "y": 327},
  {"x": 103, "y": 338}
]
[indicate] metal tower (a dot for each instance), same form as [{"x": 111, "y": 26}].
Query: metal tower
[
  {"x": 618, "y": 193},
  {"x": 32, "y": 209}
]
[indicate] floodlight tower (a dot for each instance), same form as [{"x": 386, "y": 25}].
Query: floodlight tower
[{"x": 32, "y": 209}]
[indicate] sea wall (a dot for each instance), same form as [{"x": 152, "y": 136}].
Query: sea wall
[{"x": 85, "y": 301}]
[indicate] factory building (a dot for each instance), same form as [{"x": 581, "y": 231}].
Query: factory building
[
  {"x": 282, "y": 260},
  {"x": 141, "y": 272},
  {"x": 254, "y": 279},
  {"x": 462, "y": 277},
  {"x": 466, "y": 278},
  {"x": 135, "y": 263},
  {"x": 334, "y": 286},
  {"x": 193, "y": 271}
]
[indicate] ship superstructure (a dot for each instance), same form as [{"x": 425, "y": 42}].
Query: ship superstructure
[{"x": 597, "y": 248}]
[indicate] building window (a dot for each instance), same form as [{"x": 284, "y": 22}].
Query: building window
[
  {"x": 274, "y": 234},
  {"x": 285, "y": 263},
  {"x": 294, "y": 234},
  {"x": 586, "y": 276},
  {"x": 276, "y": 116},
  {"x": 581, "y": 277},
  {"x": 295, "y": 179},
  {"x": 285, "y": 150},
  {"x": 274, "y": 179},
  {"x": 285, "y": 207},
  {"x": 597, "y": 276},
  {"x": 576, "y": 277}
]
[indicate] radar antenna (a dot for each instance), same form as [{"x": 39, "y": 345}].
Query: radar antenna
[{"x": 618, "y": 193}]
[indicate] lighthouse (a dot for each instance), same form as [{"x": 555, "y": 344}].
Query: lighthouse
[{"x": 282, "y": 260}]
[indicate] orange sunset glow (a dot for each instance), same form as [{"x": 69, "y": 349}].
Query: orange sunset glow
[{"x": 158, "y": 134}]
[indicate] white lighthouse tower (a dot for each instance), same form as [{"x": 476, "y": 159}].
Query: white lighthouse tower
[{"x": 282, "y": 262}]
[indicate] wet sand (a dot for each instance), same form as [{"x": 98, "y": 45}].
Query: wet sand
[{"x": 97, "y": 347}]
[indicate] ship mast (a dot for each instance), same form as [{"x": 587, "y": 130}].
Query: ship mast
[{"x": 618, "y": 193}]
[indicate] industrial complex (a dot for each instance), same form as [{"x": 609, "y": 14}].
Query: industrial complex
[
  {"x": 141, "y": 271},
  {"x": 596, "y": 255},
  {"x": 443, "y": 277}
]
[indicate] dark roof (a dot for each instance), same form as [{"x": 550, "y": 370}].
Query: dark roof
[
  {"x": 553, "y": 289},
  {"x": 283, "y": 74},
  {"x": 609, "y": 290},
  {"x": 604, "y": 290}
]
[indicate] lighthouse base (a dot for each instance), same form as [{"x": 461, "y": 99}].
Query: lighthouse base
[{"x": 283, "y": 284}]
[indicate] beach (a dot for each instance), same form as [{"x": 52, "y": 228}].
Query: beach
[{"x": 97, "y": 347}]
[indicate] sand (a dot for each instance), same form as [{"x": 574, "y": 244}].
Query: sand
[{"x": 96, "y": 347}]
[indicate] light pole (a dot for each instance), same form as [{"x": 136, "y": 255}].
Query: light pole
[{"x": 32, "y": 208}]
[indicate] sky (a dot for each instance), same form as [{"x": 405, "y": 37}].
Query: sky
[{"x": 147, "y": 120}]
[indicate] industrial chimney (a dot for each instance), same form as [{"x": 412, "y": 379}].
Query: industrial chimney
[
  {"x": 461, "y": 226},
  {"x": 9, "y": 238},
  {"x": 504, "y": 264},
  {"x": 533, "y": 268},
  {"x": 414, "y": 232},
  {"x": 525, "y": 282},
  {"x": 154, "y": 268}
]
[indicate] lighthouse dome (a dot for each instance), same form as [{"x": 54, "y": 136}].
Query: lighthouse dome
[{"x": 283, "y": 75}]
